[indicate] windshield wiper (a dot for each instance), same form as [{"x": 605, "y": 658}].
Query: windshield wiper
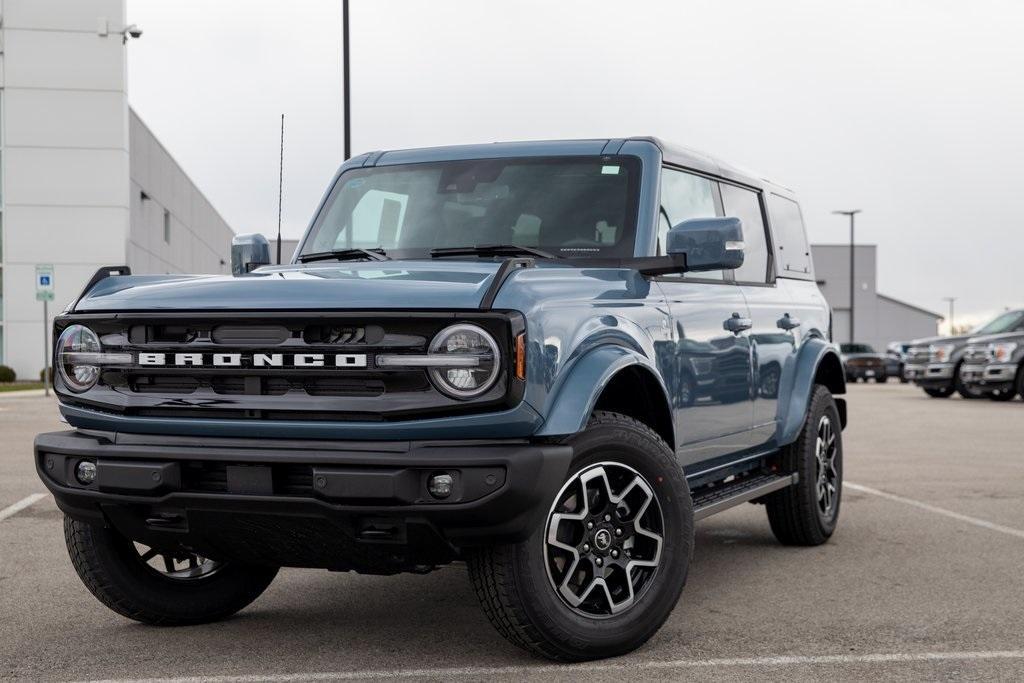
[
  {"x": 492, "y": 250},
  {"x": 346, "y": 255}
]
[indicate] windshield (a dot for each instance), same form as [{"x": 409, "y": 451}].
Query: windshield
[
  {"x": 566, "y": 206},
  {"x": 1007, "y": 322},
  {"x": 856, "y": 348}
]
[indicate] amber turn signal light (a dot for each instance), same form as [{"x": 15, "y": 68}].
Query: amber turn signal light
[{"x": 520, "y": 356}]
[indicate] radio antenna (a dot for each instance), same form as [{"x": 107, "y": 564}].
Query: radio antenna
[{"x": 280, "y": 186}]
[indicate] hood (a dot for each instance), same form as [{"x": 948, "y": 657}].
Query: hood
[
  {"x": 992, "y": 338},
  {"x": 959, "y": 339},
  {"x": 438, "y": 284}
]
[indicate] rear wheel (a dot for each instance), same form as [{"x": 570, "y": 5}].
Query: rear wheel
[
  {"x": 882, "y": 379},
  {"x": 606, "y": 568},
  {"x": 165, "y": 587},
  {"x": 806, "y": 513}
]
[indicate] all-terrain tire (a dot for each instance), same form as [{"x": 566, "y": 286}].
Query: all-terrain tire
[
  {"x": 513, "y": 584},
  {"x": 112, "y": 570},
  {"x": 795, "y": 512}
]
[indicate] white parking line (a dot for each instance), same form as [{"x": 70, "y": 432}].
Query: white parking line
[
  {"x": 12, "y": 510},
  {"x": 620, "y": 666},
  {"x": 992, "y": 526}
]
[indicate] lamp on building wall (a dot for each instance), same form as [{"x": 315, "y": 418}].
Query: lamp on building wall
[{"x": 130, "y": 31}]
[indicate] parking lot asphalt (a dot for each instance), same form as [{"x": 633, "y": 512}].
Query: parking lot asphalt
[{"x": 924, "y": 579}]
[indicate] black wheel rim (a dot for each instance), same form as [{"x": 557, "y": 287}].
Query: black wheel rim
[
  {"x": 603, "y": 540},
  {"x": 826, "y": 451},
  {"x": 176, "y": 565}
]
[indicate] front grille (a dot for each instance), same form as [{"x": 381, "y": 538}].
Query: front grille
[
  {"x": 184, "y": 378},
  {"x": 976, "y": 354},
  {"x": 865, "y": 362},
  {"x": 918, "y": 355},
  {"x": 290, "y": 338},
  {"x": 240, "y": 385}
]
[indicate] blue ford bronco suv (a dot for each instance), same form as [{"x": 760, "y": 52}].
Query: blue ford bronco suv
[{"x": 544, "y": 359}]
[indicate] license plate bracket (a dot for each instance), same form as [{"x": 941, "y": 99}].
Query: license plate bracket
[{"x": 252, "y": 480}]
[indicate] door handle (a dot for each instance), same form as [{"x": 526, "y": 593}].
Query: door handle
[
  {"x": 736, "y": 324},
  {"x": 788, "y": 323}
]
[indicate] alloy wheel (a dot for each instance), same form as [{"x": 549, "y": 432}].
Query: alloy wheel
[
  {"x": 177, "y": 565},
  {"x": 603, "y": 540},
  {"x": 826, "y": 448}
]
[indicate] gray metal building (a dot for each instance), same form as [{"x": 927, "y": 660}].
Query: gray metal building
[{"x": 878, "y": 319}]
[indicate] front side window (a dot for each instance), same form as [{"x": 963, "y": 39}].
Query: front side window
[
  {"x": 685, "y": 196},
  {"x": 746, "y": 205},
  {"x": 573, "y": 207}
]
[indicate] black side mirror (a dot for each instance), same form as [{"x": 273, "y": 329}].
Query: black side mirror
[
  {"x": 249, "y": 252},
  {"x": 708, "y": 243}
]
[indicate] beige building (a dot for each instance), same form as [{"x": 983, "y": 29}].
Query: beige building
[{"x": 84, "y": 182}]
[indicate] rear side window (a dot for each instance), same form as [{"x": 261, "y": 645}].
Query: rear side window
[
  {"x": 791, "y": 250},
  {"x": 746, "y": 206}
]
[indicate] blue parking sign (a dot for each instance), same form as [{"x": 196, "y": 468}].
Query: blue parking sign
[{"x": 44, "y": 282}]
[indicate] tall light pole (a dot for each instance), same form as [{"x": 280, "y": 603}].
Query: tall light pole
[
  {"x": 344, "y": 79},
  {"x": 851, "y": 213},
  {"x": 950, "y": 300}
]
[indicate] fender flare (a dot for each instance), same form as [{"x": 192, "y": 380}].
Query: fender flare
[
  {"x": 571, "y": 404},
  {"x": 792, "y": 413}
]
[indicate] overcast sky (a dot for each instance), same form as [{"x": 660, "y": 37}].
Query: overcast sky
[{"x": 912, "y": 111}]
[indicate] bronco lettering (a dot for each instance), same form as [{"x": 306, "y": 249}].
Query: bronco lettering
[{"x": 259, "y": 360}]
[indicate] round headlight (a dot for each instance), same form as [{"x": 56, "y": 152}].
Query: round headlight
[
  {"x": 74, "y": 340},
  {"x": 465, "y": 342}
]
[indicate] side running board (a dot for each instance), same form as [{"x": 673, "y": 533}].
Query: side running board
[{"x": 712, "y": 501}]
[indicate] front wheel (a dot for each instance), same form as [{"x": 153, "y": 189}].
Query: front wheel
[
  {"x": 1016, "y": 388},
  {"x": 163, "y": 587},
  {"x": 939, "y": 392},
  {"x": 806, "y": 513},
  {"x": 965, "y": 390},
  {"x": 606, "y": 567}
]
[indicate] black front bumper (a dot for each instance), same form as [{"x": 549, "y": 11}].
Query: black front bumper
[{"x": 340, "y": 505}]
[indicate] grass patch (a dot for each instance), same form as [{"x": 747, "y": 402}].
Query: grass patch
[{"x": 19, "y": 386}]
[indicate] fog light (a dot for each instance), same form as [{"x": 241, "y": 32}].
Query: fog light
[
  {"x": 85, "y": 472},
  {"x": 440, "y": 485}
]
